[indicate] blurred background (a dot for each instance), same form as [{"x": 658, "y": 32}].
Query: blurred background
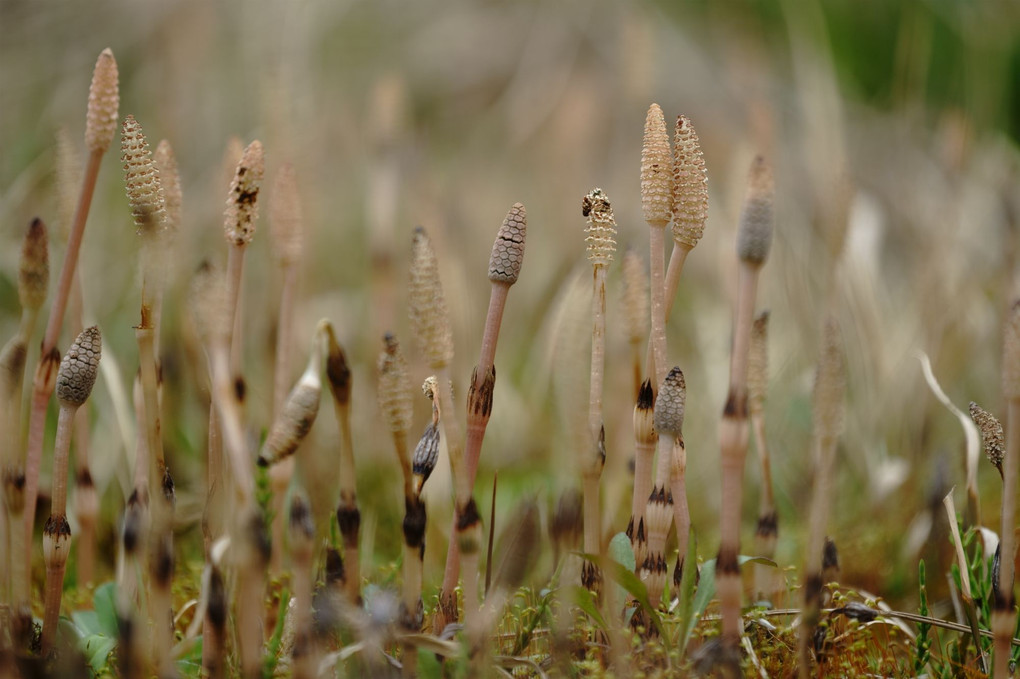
[{"x": 892, "y": 128}]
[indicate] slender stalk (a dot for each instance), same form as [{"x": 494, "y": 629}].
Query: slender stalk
[
  {"x": 656, "y": 206},
  {"x": 644, "y": 458},
  {"x": 101, "y": 123},
  {"x": 830, "y": 384},
  {"x": 1004, "y": 603},
  {"x": 77, "y": 376},
  {"x": 505, "y": 263},
  {"x": 302, "y": 538},
  {"x": 754, "y": 239},
  {"x": 131, "y": 657},
  {"x": 766, "y": 584}
]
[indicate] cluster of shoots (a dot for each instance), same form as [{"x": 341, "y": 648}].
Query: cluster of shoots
[{"x": 246, "y": 537}]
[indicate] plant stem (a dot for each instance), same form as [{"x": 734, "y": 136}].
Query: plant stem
[
  {"x": 677, "y": 258},
  {"x": 1004, "y": 612},
  {"x": 280, "y": 474},
  {"x": 49, "y": 357},
  {"x": 57, "y": 537},
  {"x": 657, "y": 369}
]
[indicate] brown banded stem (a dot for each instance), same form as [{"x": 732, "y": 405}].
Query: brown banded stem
[
  {"x": 766, "y": 584},
  {"x": 100, "y": 125},
  {"x": 505, "y": 263},
  {"x": 75, "y": 379},
  {"x": 644, "y": 458},
  {"x": 754, "y": 238}
]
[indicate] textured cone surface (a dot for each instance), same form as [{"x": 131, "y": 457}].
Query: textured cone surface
[
  {"x": 141, "y": 179},
  {"x": 170, "y": 178},
  {"x": 430, "y": 321},
  {"x": 758, "y": 362},
  {"x": 79, "y": 368},
  {"x": 992, "y": 436},
  {"x": 508, "y": 250},
  {"x": 656, "y": 169},
  {"x": 243, "y": 200},
  {"x": 1011, "y": 353},
  {"x": 294, "y": 423},
  {"x": 426, "y": 453},
  {"x": 635, "y": 296},
  {"x": 754, "y": 237},
  {"x": 395, "y": 399},
  {"x": 690, "y": 185},
  {"x": 601, "y": 229},
  {"x": 34, "y": 267},
  {"x": 830, "y": 384},
  {"x": 285, "y": 216},
  {"x": 104, "y": 102},
  {"x": 669, "y": 405}
]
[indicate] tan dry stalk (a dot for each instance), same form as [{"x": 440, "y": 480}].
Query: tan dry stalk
[
  {"x": 656, "y": 207},
  {"x": 601, "y": 244},
  {"x": 75, "y": 379},
  {"x": 644, "y": 458},
  {"x": 635, "y": 309},
  {"x": 302, "y": 548},
  {"x": 166, "y": 165},
  {"x": 251, "y": 561},
  {"x": 148, "y": 208},
  {"x": 286, "y": 230},
  {"x": 754, "y": 237},
  {"x": 33, "y": 279},
  {"x": 505, "y": 263},
  {"x": 766, "y": 584},
  {"x": 100, "y": 125},
  {"x": 430, "y": 323},
  {"x": 347, "y": 514},
  {"x": 827, "y": 403},
  {"x": 1004, "y": 605},
  {"x": 131, "y": 649}
]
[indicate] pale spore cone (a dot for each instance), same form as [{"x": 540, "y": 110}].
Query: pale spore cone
[
  {"x": 690, "y": 185},
  {"x": 430, "y": 320},
  {"x": 104, "y": 102},
  {"x": 243, "y": 198},
  {"x": 426, "y": 454},
  {"x": 656, "y": 169},
  {"x": 141, "y": 179},
  {"x": 508, "y": 249},
  {"x": 601, "y": 228},
  {"x": 992, "y": 437},
  {"x": 754, "y": 235},
  {"x": 670, "y": 403},
  {"x": 79, "y": 368}
]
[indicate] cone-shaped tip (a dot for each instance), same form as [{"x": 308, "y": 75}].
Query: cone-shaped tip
[
  {"x": 1011, "y": 353},
  {"x": 295, "y": 421},
  {"x": 754, "y": 237},
  {"x": 34, "y": 267},
  {"x": 656, "y": 169},
  {"x": 78, "y": 370},
  {"x": 337, "y": 370},
  {"x": 601, "y": 229},
  {"x": 992, "y": 436},
  {"x": 690, "y": 185},
  {"x": 104, "y": 102},
  {"x": 430, "y": 321},
  {"x": 141, "y": 180},
  {"x": 670, "y": 403},
  {"x": 426, "y": 453},
  {"x": 508, "y": 249},
  {"x": 243, "y": 199}
]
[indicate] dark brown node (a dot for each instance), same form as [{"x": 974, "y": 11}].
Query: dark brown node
[
  {"x": 348, "y": 520},
  {"x": 335, "y": 573},
  {"x": 726, "y": 561},
  {"x": 414, "y": 523},
  {"x": 768, "y": 525}
]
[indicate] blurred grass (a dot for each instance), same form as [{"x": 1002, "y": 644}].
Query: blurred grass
[{"x": 444, "y": 114}]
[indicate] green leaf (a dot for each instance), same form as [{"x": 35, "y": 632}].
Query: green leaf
[
  {"x": 96, "y": 649},
  {"x": 87, "y": 623},
  {"x": 105, "y": 602},
  {"x": 586, "y": 602},
  {"x": 621, "y": 551}
]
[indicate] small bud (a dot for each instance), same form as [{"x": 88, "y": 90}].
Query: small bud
[
  {"x": 79, "y": 368},
  {"x": 426, "y": 453},
  {"x": 758, "y": 363},
  {"x": 141, "y": 179},
  {"x": 656, "y": 169},
  {"x": 170, "y": 178},
  {"x": 104, "y": 100},
  {"x": 34, "y": 267},
  {"x": 430, "y": 321},
  {"x": 635, "y": 297},
  {"x": 395, "y": 400},
  {"x": 296, "y": 419},
  {"x": 242, "y": 200},
  {"x": 754, "y": 236},
  {"x": 991, "y": 435},
  {"x": 285, "y": 217},
  {"x": 690, "y": 185},
  {"x": 508, "y": 249},
  {"x": 669, "y": 405},
  {"x": 601, "y": 227}
]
